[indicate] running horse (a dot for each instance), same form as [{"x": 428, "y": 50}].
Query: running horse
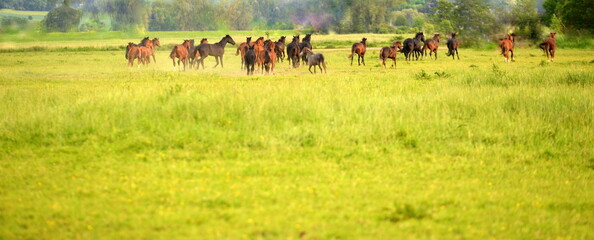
[
  {"x": 390, "y": 52},
  {"x": 217, "y": 50},
  {"x": 241, "y": 49},
  {"x": 507, "y": 47},
  {"x": 181, "y": 52},
  {"x": 453, "y": 46},
  {"x": 359, "y": 48},
  {"x": 293, "y": 51},
  {"x": 305, "y": 43},
  {"x": 280, "y": 49},
  {"x": 412, "y": 46},
  {"x": 432, "y": 45},
  {"x": 270, "y": 56},
  {"x": 549, "y": 46}
]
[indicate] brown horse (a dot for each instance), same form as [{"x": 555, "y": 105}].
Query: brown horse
[
  {"x": 242, "y": 49},
  {"x": 260, "y": 52},
  {"x": 181, "y": 52},
  {"x": 216, "y": 50},
  {"x": 146, "y": 53},
  {"x": 154, "y": 42},
  {"x": 549, "y": 46},
  {"x": 293, "y": 51},
  {"x": 390, "y": 52},
  {"x": 432, "y": 45},
  {"x": 359, "y": 48},
  {"x": 133, "y": 52},
  {"x": 507, "y": 47},
  {"x": 270, "y": 57},
  {"x": 453, "y": 46},
  {"x": 142, "y": 43},
  {"x": 194, "y": 54}
]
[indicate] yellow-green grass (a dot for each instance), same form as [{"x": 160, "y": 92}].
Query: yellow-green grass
[
  {"x": 93, "y": 149},
  {"x": 37, "y": 15}
]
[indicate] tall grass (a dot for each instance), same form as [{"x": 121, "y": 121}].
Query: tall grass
[{"x": 476, "y": 148}]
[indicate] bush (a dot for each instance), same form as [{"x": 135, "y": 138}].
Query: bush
[{"x": 62, "y": 19}]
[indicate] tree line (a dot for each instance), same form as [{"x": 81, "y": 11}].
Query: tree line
[{"x": 472, "y": 19}]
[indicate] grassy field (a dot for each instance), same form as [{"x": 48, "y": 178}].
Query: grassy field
[
  {"x": 35, "y": 15},
  {"x": 469, "y": 149}
]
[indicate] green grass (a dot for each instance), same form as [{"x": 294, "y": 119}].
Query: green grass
[
  {"x": 36, "y": 15},
  {"x": 470, "y": 149}
]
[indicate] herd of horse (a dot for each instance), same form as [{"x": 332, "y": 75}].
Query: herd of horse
[{"x": 265, "y": 54}]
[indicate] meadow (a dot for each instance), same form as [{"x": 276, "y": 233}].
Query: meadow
[{"x": 446, "y": 149}]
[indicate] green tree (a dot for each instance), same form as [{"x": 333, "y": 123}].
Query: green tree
[
  {"x": 62, "y": 19},
  {"x": 527, "y": 19}
]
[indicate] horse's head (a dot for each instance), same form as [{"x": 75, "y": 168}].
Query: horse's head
[
  {"x": 420, "y": 36},
  {"x": 204, "y": 41},
  {"x": 397, "y": 44},
  {"x": 436, "y": 37},
  {"x": 229, "y": 39},
  {"x": 511, "y": 37},
  {"x": 248, "y": 39},
  {"x": 271, "y": 46},
  {"x": 130, "y": 44},
  {"x": 296, "y": 39},
  {"x": 307, "y": 37},
  {"x": 453, "y": 35},
  {"x": 186, "y": 44},
  {"x": 304, "y": 51},
  {"x": 553, "y": 35},
  {"x": 282, "y": 39},
  {"x": 156, "y": 42},
  {"x": 364, "y": 40}
]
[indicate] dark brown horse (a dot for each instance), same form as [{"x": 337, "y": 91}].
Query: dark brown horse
[
  {"x": 305, "y": 43},
  {"x": 280, "y": 49},
  {"x": 314, "y": 60},
  {"x": 432, "y": 45},
  {"x": 249, "y": 59},
  {"x": 412, "y": 46},
  {"x": 390, "y": 52},
  {"x": 241, "y": 49},
  {"x": 453, "y": 46},
  {"x": 217, "y": 50},
  {"x": 293, "y": 51},
  {"x": 194, "y": 54},
  {"x": 507, "y": 47},
  {"x": 359, "y": 48},
  {"x": 549, "y": 46},
  {"x": 181, "y": 52},
  {"x": 270, "y": 57}
]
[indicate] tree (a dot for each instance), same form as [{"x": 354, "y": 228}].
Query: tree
[
  {"x": 474, "y": 21},
  {"x": 526, "y": 19},
  {"x": 62, "y": 19}
]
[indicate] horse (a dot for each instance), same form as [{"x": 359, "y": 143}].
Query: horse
[
  {"x": 390, "y": 52},
  {"x": 259, "y": 51},
  {"x": 133, "y": 52},
  {"x": 154, "y": 42},
  {"x": 270, "y": 56},
  {"x": 217, "y": 50},
  {"x": 453, "y": 46},
  {"x": 293, "y": 51},
  {"x": 280, "y": 49},
  {"x": 549, "y": 46},
  {"x": 146, "y": 53},
  {"x": 412, "y": 46},
  {"x": 314, "y": 60},
  {"x": 431, "y": 45},
  {"x": 182, "y": 53},
  {"x": 241, "y": 49},
  {"x": 359, "y": 48},
  {"x": 507, "y": 47},
  {"x": 194, "y": 54},
  {"x": 249, "y": 59},
  {"x": 305, "y": 43},
  {"x": 142, "y": 43}
]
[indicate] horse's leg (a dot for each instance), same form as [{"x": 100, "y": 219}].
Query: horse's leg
[
  {"x": 310, "y": 69},
  {"x": 154, "y": 59},
  {"x": 552, "y": 55},
  {"x": 363, "y": 58},
  {"x": 457, "y": 55},
  {"x": 173, "y": 63},
  {"x": 394, "y": 62},
  {"x": 512, "y": 55},
  {"x": 222, "y": 65},
  {"x": 384, "y": 62}
]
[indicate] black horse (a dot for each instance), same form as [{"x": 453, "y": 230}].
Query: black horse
[
  {"x": 217, "y": 50},
  {"x": 412, "y": 46},
  {"x": 293, "y": 51},
  {"x": 453, "y": 46},
  {"x": 249, "y": 59},
  {"x": 305, "y": 43}
]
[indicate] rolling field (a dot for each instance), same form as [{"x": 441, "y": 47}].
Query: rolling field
[{"x": 469, "y": 149}]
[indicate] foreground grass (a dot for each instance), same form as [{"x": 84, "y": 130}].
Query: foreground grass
[{"x": 435, "y": 149}]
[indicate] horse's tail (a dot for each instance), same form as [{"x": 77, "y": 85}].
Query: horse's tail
[
  {"x": 127, "y": 50},
  {"x": 542, "y": 46},
  {"x": 237, "y": 52},
  {"x": 353, "y": 50},
  {"x": 172, "y": 54}
]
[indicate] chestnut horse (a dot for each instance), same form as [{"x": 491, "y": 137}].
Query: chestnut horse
[
  {"x": 359, "y": 48},
  {"x": 431, "y": 45},
  {"x": 270, "y": 57},
  {"x": 507, "y": 47},
  {"x": 293, "y": 52},
  {"x": 133, "y": 52},
  {"x": 390, "y": 52},
  {"x": 259, "y": 51},
  {"x": 142, "y": 43},
  {"x": 242, "y": 49},
  {"x": 182, "y": 53},
  {"x": 453, "y": 46},
  {"x": 549, "y": 46}
]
